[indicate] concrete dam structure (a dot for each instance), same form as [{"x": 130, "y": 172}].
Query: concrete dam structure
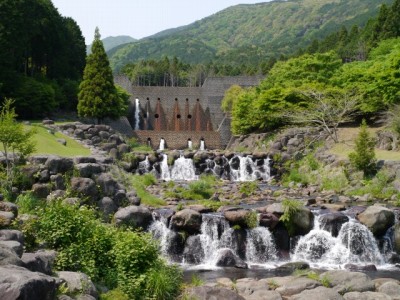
[{"x": 182, "y": 117}]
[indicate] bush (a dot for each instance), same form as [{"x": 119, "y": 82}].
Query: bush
[
  {"x": 28, "y": 203},
  {"x": 248, "y": 188},
  {"x": 251, "y": 219},
  {"x": 122, "y": 260}
]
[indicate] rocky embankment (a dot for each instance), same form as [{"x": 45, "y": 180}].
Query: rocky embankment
[
  {"x": 94, "y": 180},
  {"x": 330, "y": 285}
]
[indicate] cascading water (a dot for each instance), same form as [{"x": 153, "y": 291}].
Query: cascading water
[
  {"x": 137, "y": 112},
  {"x": 260, "y": 246},
  {"x": 162, "y": 145},
  {"x": 247, "y": 169},
  {"x": 144, "y": 166},
  {"x": 354, "y": 244},
  {"x": 165, "y": 174},
  {"x": 213, "y": 228},
  {"x": 202, "y": 145},
  {"x": 183, "y": 169},
  {"x": 163, "y": 234}
]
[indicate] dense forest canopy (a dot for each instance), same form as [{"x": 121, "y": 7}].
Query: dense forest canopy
[
  {"x": 42, "y": 57},
  {"x": 364, "y": 63},
  {"x": 249, "y": 35}
]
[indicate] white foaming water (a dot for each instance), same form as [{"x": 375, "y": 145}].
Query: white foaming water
[
  {"x": 248, "y": 170},
  {"x": 183, "y": 169},
  {"x": 165, "y": 174},
  {"x": 163, "y": 234},
  {"x": 190, "y": 145},
  {"x": 213, "y": 228},
  {"x": 137, "y": 111},
  {"x": 260, "y": 246},
  {"x": 354, "y": 244},
  {"x": 144, "y": 166},
  {"x": 162, "y": 145},
  {"x": 202, "y": 145}
]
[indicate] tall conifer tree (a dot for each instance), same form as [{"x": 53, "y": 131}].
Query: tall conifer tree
[{"x": 98, "y": 97}]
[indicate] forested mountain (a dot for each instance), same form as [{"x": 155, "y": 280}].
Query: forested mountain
[
  {"x": 42, "y": 57},
  {"x": 113, "y": 41},
  {"x": 249, "y": 34}
]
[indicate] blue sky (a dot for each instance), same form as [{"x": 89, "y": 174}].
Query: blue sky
[{"x": 138, "y": 18}]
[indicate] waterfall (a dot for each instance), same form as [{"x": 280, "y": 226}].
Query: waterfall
[
  {"x": 247, "y": 170},
  {"x": 144, "y": 166},
  {"x": 202, "y": 145},
  {"x": 183, "y": 169},
  {"x": 212, "y": 229},
  {"x": 354, "y": 244},
  {"x": 163, "y": 234},
  {"x": 190, "y": 145},
  {"x": 165, "y": 174},
  {"x": 260, "y": 246},
  {"x": 137, "y": 111},
  {"x": 162, "y": 145}
]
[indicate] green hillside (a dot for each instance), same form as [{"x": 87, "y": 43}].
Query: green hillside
[
  {"x": 247, "y": 34},
  {"x": 113, "y": 41}
]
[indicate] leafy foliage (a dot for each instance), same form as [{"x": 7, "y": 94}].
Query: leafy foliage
[
  {"x": 119, "y": 259},
  {"x": 14, "y": 140}
]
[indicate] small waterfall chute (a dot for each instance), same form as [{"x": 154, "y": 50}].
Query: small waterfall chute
[
  {"x": 183, "y": 169},
  {"x": 162, "y": 144},
  {"x": 260, "y": 246},
  {"x": 144, "y": 166},
  {"x": 137, "y": 114},
  {"x": 164, "y": 168}
]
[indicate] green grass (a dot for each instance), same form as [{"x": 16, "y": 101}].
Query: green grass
[
  {"x": 343, "y": 151},
  {"x": 46, "y": 143},
  {"x": 140, "y": 182}
]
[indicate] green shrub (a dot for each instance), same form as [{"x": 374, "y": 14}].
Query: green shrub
[
  {"x": 248, "y": 188},
  {"x": 251, "y": 219},
  {"x": 123, "y": 260},
  {"x": 115, "y": 294},
  {"x": 28, "y": 203}
]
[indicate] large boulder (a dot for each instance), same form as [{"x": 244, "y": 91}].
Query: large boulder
[
  {"x": 57, "y": 164},
  {"x": 390, "y": 288},
  {"x": 89, "y": 169},
  {"x": 378, "y": 219},
  {"x": 226, "y": 258},
  {"x": 41, "y": 190},
  {"x": 16, "y": 246},
  {"x": 319, "y": 293},
  {"x": 134, "y": 217},
  {"x": 343, "y": 281},
  {"x": 108, "y": 185},
  {"x": 20, "y": 283},
  {"x": 208, "y": 293},
  {"x": 297, "y": 285},
  {"x": 253, "y": 289},
  {"x": 237, "y": 216},
  {"x": 6, "y": 218},
  {"x": 303, "y": 221},
  {"x": 85, "y": 188},
  {"x": 397, "y": 238},
  {"x": 41, "y": 261},
  {"x": 366, "y": 296},
  {"x": 9, "y": 257},
  {"x": 332, "y": 222},
  {"x": 78, "y": 283},
  {"x": 11, "y": 235},
  {"x": 187, "y": 220},
  {"x": 107, "y": 207}
]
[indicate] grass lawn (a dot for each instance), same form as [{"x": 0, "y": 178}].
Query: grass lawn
[
  {"x": 46, "y": 143},
  {"x": 346, "y": 144}
]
